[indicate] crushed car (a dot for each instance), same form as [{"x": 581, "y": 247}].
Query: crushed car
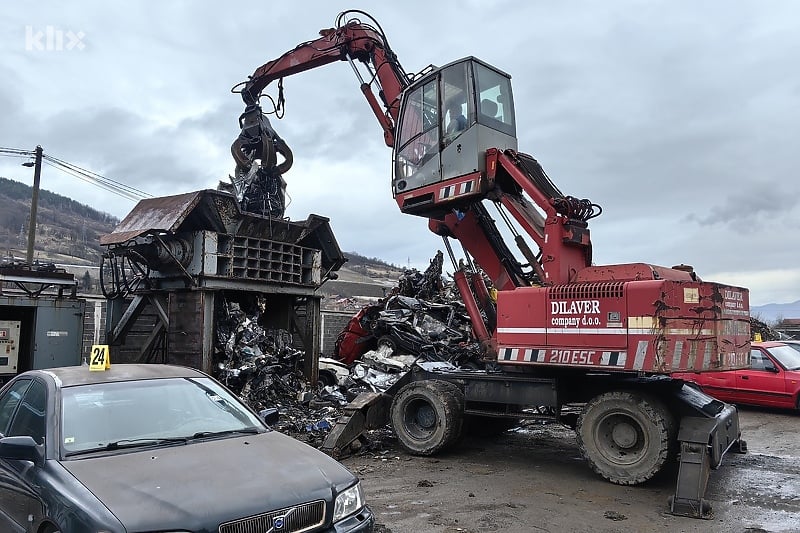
[{"x": 423, "y": 316}]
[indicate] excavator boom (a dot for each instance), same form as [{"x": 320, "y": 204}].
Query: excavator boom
[{"x": 349, "y": 41}]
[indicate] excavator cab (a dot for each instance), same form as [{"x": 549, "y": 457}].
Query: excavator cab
[{"x": 448, "y": 119}]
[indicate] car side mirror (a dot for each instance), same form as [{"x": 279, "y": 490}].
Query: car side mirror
[
  {"x": 23, "y": 448},
  {"x": 269, "y": 416},
  {"x": 772, "y": 369}
]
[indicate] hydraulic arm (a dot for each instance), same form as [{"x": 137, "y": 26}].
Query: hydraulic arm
[{"x": 350, "y": 41}]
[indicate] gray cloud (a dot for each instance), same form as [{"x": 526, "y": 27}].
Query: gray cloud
[{"x": 750, "y": 209}]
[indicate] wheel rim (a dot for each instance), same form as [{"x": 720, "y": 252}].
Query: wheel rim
[
  {"x": 620, "y": 438},
  {"x": 326, "y": 379},
  {"x": 420, "y": 419}
]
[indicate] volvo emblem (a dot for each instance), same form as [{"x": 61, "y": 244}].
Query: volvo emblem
[{"x": 278, "y": 522}]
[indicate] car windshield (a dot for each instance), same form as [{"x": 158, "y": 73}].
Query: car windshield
[
  {"x": 788, "y": 357},
  {"x": 146, "y": 412}
]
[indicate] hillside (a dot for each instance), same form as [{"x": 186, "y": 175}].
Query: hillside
[
  {"x": 359, "y": 278},
  {"x": 66, "y": 230}
]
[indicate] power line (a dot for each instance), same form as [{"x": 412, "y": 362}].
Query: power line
[
  {"x": 99, "y": 177},
  {"x": 88, "y": 176},
  {"x": 96, "y": 183},
  {"x": 5, "y": 149},
  {"x": 18, "y": 156},
  {"x": 16, "y": 152}
]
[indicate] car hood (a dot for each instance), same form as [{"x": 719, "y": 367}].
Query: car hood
[{"x": 199, "y": 485}]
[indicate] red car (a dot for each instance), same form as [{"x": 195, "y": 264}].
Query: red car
[{"x": 773, "y": 379}]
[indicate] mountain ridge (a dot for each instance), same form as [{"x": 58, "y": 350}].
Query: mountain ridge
[{"x": 773, "y": 313}]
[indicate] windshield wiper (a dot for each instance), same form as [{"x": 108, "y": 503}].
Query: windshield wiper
[
  {"x": 247, "y": 431},
  {"x": 129, "y": 443},
  {"x": 133, "y": 443}
]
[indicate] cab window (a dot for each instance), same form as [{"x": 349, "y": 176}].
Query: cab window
[
  {"x": 419, "y": 130},
  {"x": 457, "y": 112},
  {"x": 495, "y": 103}
]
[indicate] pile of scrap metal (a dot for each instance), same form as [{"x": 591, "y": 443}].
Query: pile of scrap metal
[
  {"x": 376, "y": 349},
  {"x": 762, "y": 331},
  {"x": 423, "y": 319},
  {"x": 264, "y": 368}
]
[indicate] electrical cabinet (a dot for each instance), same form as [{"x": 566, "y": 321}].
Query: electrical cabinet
[{"x": 9, "y": 346}]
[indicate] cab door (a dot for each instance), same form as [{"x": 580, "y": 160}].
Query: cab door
[
  {"x": 460, "y": 155},
  {"x": 417, "y": 158}
]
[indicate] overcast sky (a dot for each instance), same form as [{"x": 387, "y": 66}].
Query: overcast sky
[{"x": 680, "y": 118}]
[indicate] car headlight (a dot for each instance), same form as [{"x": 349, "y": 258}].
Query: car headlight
[{"x": 348, "y": 502}]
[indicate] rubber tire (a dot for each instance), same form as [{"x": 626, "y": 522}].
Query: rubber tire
[
  {"x": 427, "y": 416},
  {"x": 327, "y": 379},
  {"x": 386, "y": 340},
  {"x": 652, "y": 439}
]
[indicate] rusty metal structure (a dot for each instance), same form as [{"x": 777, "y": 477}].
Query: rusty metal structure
[{"x": 174, "y": 262}]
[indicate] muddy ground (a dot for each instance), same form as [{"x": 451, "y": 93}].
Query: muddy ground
[{"x": 534, "y": 480}]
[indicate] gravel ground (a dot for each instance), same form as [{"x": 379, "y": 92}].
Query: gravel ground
[{"x": 535, "y": 479}]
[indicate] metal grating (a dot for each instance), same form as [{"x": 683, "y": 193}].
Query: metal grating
[
  {"x": 303, "y": 517},
  {"x": 265, "y": 260},
  {"x": 586, "y": 291}
]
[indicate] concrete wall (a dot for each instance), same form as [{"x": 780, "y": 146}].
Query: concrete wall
[{"x": 333, "y": 322}]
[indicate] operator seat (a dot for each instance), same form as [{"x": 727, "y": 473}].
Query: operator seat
[{"x": 489, "y": 108}]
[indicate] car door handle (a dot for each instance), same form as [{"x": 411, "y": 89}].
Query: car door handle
[{"x": 745, "y": 377}]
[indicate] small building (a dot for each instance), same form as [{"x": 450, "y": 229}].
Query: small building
[
  {"x": 41, "y": 320},
  {"x": 789, "y": 327}
]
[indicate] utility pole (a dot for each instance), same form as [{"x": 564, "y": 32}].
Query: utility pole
[{"x": 37, "y": 174}]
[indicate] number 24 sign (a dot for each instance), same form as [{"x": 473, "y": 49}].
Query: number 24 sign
[{"x": 99, "y": 359}]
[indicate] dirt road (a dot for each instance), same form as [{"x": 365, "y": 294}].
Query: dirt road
[{"x": 534, "y": 480}]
